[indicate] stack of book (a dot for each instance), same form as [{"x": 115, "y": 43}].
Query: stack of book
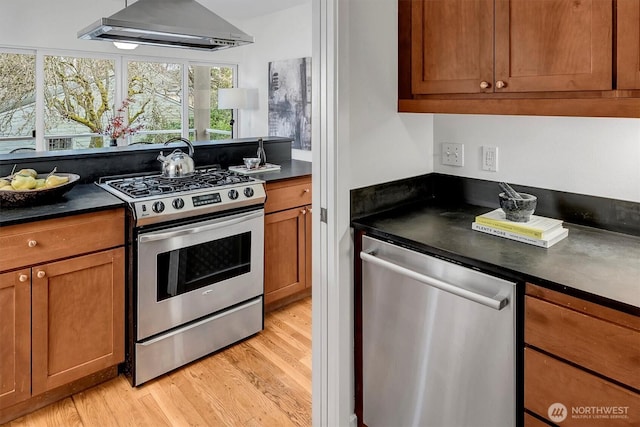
[{"x": 539, "y": 231}]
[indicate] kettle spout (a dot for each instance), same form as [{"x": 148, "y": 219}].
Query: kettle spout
[{"x": 161, "y": 157}]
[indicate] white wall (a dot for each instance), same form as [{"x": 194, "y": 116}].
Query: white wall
[
  {"x": 282, "y": 35},
  {"x": 594, "y": 156},
  {"x": 383, "y": 145}
]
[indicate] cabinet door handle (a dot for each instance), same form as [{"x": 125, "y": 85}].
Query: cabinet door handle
[
  {"x": 500, "y": 84},
  {"x": 32, "y": 243},
  {"x": 23, "y": 278},
  {"x": 303, "y": 211},
  {"x": 41, "y": 274},
  {"x": 484, "y": 85}
]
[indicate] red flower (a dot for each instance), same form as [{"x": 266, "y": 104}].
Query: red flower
[{"x": 116, "y": 126}]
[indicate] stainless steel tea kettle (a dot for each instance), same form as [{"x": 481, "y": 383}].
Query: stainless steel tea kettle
[{"x": 177, "y": 164}]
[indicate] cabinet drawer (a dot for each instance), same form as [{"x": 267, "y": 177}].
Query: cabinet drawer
[
  {"x": 603, "y": 346},
  {"x": 589, "y": 400},
  {"x": 288, "y": 194},
  {"x": 41, "y": 241}
]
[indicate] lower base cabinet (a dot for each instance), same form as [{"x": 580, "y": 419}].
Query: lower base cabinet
[
  {"x": 571, "y": 396},
  {"x": 15, "y": 334},
  {"x": 287, "y": 241},
  {"x": 285, "y": 245},
  {"x": 61, "y": 308},
  {"x": 78, "y": 318},
  {"x": 581, "y": 362}
]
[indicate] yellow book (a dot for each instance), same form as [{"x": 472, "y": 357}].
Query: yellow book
[{"x": 537, "y": 226}]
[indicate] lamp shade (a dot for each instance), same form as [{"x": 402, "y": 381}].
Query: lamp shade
[{"x": 232, "y": 98}]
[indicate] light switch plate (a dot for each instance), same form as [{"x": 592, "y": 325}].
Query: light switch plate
[{"x": 452, "y": 154}]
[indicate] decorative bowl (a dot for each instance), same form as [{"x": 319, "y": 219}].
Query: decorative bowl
[
  {"x": 518, "y": 210},
  {"x": 37, "y": 196},
  {"x": 251, "y": 162}
]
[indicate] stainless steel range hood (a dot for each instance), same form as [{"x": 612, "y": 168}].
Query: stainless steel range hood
[{"x": 169, "y": 23}]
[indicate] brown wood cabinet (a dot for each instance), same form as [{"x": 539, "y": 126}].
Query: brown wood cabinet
[
  {"x": 511, "y": 46},
  {"x": 547, "y": 57},
  {"x": 287, "y": 241},
  {"x": 15, "y": 334},
  {"x": 555, "y": 45},
  {"x": 582, "y": 355},
  {"x": 78, "y": 318},
  {"x": 628, "y": 44},
  {"x": 62, "y": 309}
]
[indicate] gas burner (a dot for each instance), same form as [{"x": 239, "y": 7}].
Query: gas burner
[
  {"x": 152, "y": 185},
  {"x": 155, "y": 199}
]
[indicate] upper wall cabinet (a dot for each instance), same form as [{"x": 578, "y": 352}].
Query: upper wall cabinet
[
  {"x": 536, "y": 57},
  {"x": 452, "y": 46},
  {"x": 628, "y": 60}
]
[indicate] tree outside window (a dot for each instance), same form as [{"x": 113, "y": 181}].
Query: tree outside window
[
  {"x": 206, "y": 121},
  {"x": 17, "y": 101}
]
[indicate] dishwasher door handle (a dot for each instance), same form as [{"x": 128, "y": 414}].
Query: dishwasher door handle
[{"x": 496, "y": 304}]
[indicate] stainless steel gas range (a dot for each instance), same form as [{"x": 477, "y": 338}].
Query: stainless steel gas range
[{"x": 196, "y": 249}]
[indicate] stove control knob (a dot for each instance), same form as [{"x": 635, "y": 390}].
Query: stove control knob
[
  {"x": 158, "y": 207},
  {"x": 248, "y": 191},
  {"x": 178, "y": 203},
  {"x": 233, "y": 194}
]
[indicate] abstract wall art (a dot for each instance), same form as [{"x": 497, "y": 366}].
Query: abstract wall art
[{"x": 290, "y": 101}]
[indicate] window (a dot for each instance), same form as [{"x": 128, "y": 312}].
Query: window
[
  {"x": 205, "y": 120},
  {"x": 78, "y": 94},
  {"x": 155, "y": 92},
  {"x": 17, "y": 101},
  {"x": 81, "y": 94}
]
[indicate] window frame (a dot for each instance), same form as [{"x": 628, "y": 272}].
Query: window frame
[{"x": 121, "y": 81}]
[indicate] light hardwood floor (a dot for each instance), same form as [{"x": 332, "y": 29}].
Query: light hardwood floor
[{"x": 262, "y": 381}]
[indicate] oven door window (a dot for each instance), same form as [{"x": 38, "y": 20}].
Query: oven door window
[{"x": 186, "y": 269}]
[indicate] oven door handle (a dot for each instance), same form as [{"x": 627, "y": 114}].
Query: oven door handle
[{"x": 154, "y": 237}]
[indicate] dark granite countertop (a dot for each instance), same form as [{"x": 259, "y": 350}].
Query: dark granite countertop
[
  {"x": 89, "y": 197},
  {"x": 592, "y": 261},
  {"x": 82, "y": 198},
  {"x": 288, "y": 169}
]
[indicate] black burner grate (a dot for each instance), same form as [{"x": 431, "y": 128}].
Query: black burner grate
[{"x": 153, "y": 185}]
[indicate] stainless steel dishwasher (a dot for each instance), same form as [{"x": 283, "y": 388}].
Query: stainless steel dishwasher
[{"x": 438, "y": 342}]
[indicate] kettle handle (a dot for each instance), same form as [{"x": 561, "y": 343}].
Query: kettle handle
[{"x": 185, "y": 140}]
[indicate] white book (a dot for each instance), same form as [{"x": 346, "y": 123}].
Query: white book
[{"x": 551, "y": 239}]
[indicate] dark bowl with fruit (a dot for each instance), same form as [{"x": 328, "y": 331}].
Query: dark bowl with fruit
[{"x": 29, "y": 188}]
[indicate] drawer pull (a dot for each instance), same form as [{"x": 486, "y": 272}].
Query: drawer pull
[
  {"x": 306, "y": 190},
  {"x": 41, "y": 274},
  {"x": 32, "y": 243},
  {"x": 303, "y": 211},
  {"x": 23, "y": 278}
]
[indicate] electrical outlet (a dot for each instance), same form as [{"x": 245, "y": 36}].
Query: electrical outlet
[
  {"x": 489, "y": 158},
  {"x": 452, "y": 154}
]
